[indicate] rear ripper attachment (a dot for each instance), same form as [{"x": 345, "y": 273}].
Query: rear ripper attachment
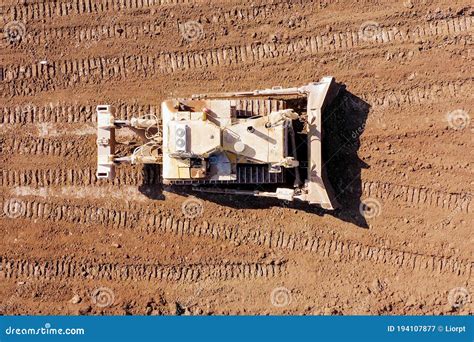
[{"x": 265, "y": 143}]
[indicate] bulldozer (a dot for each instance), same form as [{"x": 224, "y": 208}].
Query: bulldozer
[{"x": 263, "y": 143}]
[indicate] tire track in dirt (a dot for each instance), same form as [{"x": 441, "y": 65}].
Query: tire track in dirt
[
  {"x": 66, "y": 267},
  {"x": 114, "y": 29},
  {"x": 151, "y": 223},
  {"x": 81, "y": 113},
  {"x": 59, "y": 8},
  {"x": 428, "y": 93},
  {"x": 68, "y": 73},
  {"x": 412, "y": 195},
  {"x": 418, "y": 196},
  {"x": 393, "y": 137},
  {"x": 56, "y": 8},
  {"x": 69, "y": 113},
  {"x": 79, "y": 147},
  {"x": 77, "y": 177}
]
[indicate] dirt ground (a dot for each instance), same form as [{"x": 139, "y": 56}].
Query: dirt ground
[{"x": 401, "y": 143}]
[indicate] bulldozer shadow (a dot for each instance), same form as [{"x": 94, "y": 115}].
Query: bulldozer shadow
[
  {"x": 343, "y": 123},
  {"x": 343, "y": 127}
]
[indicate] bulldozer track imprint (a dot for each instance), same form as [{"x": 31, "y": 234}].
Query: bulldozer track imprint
[
  {"x": 421, "y": 94},
  {"x": 146, "y": 28},
  {"x": 68, "y": 113},
  {"x": 76, "y": 176},
  {"x": 83, "y": 113},
  {"x": 66, "y": 267},
  {"x": 67, "y": 73},
  {"x": 418, "y": 195},
  {"x": 149, "y": 176},
  {"x": 151, "y": 223},
  {"x": 79, "y": 147},
  {"x": 59, "y": 8}
]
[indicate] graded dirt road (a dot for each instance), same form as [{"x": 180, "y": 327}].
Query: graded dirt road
[{"x": 400, "y": 141}]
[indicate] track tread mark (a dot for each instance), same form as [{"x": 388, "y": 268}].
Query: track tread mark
[
  {"x": 419, "y": 95},
  {"x": 148, "y": 222},
  {"x": 148, "y": 176},
  {"x": 69, "y": 113},
  {"x": 66, "y": 267},
  {"x": 59, "y": 8},
  {"x": 68, "y": 73},
  {"x": 418, "y": 195}
]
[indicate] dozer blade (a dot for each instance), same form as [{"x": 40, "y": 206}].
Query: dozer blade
[{"x": 318, "y": 189}]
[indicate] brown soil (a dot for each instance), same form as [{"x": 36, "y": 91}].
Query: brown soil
[{"x": 82, "y": 246}]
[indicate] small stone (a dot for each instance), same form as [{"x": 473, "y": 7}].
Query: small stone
[
  {"x": 75, "y": 300},
  {"x": 116, "y": 245}
]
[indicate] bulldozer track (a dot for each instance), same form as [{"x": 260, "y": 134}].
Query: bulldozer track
[
  {"x": 148, "y": 176},
  {"x": 65, "y": 267},
  {"x": 76, "y": 176},
  {"x": 151, "y": 223},
  {"x": 146, "y": 28},
  {"x": 428, "y": 93},
  {"x": 69, "y": 113},
  {"x": 418, "y": 195},
  {"x": 67, "y": 73},
  {"x": 59, "y": 8},
  {"x": 83, "y": 113},
  {"x": 79, "y": 147}
]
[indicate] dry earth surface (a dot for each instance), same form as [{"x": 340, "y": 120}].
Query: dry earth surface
[{"x": 401, "y": 141}]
